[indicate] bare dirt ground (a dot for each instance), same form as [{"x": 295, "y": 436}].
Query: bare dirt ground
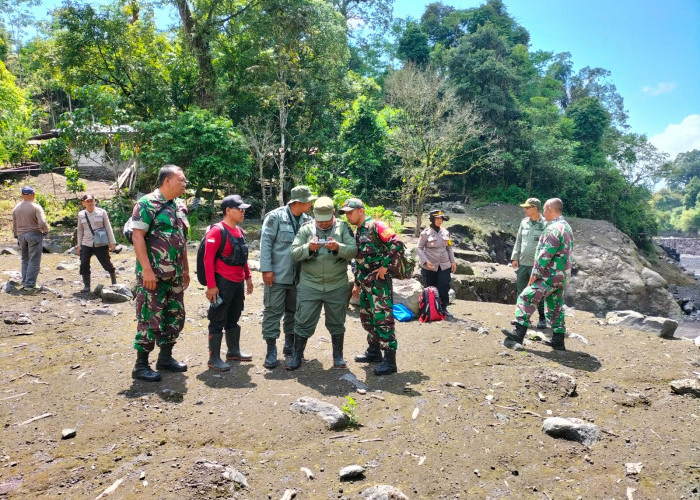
[{"x": 480, "y": 438}]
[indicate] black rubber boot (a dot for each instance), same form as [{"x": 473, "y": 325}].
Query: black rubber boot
[
  {"x": 113, "y": 277},
  {"x": 86, "y": 284},
  {"x": 271, "y": 356},
  {"x": 298, "y": 356},
  {"x": 337, "y": 341},
  {"x": 517, "y": 335},
  {"x": 167, "y": 362},
  {"x": 388, "y": 365},
  {"x": 557, "y": 342},
  {"x": 542, "y": 323},
  {"x": 233, "y": 341},
  {"x": 142, "y": 371},
  {"x": 288, "y": 348},
  {"x": 215, "y": 362},
  {"x": 373, "y": 354}
]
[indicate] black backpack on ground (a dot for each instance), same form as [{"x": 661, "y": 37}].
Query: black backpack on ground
[{"x": 238, "y": 258}]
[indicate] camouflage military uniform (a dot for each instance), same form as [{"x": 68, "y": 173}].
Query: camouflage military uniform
[
  {"x": 551, "y": 272},
  {"x": 377, "y": 246},
  {"x": 161, "y": 312}
]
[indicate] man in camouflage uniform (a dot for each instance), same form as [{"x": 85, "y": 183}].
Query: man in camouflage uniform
[
  {"x": 550, "y": 274},
  {"x": 378, "y": 252},
  {"x": 162, "y": 272}
]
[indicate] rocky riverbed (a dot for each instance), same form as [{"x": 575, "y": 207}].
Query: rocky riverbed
[{"x": 463, "y": 418}]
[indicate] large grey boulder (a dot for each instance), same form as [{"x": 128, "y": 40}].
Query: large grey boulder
[
  {"x": 610, "y": 274},
  {"x": 331, "y": 414},
  {"x": 663, "y": 327},
  {"x": 408, "y": 292}
]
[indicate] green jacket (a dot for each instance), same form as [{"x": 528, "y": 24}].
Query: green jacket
[
  {"x": 276, "y": 236},
  {"x": 324, "y": 270},
  {"x": 529, "y": 234}
]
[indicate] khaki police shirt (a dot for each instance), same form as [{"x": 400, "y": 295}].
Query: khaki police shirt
[{"x": 435, "y": 247}]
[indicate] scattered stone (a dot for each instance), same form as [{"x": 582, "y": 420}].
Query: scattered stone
[
  {"x": 307, "y": 471},
  {"x": 351, "y": 472},
  {"x": 289, "y": 494},
  {"x": 115, "y": 294},
  {"x": 350, "y": 377},
  {"x": 104, "y": 311},
  {"x": 18, "y": 320},
  {"x": 512, "y": 344},
  {"x": 573, "y": 429},
  {"x": 633, "y": 468},
  {"x": 333, "y": 416},
  {"x": 482, "y": 331},
  {"x": 142, "y": 476},
  {"x": 697, "y": 341},
  {"x": 120, "y": 249},
  {"x": 239, "y": 480},
  {"x": 68, "y": 433},
  {"x": 632, "y": 399},
  {"x": 663, "y": 327},
  {"x": 686, "y": 386},
  {"x": 254, "y": 265},
  {"x": 383, "y": 492},
  {"x": 561, "y": 382},
  {"x": 110, "y": 490},
  {"x": 66, "y": 266},
  {"x": 8, "y": 251}
]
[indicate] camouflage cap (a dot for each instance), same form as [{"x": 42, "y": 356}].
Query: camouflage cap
[
  {"x": 532, "y": 202},
  {"x": 323, "y": 209},
  {"x": 351, "y": 204},
  {"x": 302, "y": 194}
]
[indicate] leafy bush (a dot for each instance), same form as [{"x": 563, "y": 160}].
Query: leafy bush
[
  {"x": 73, "y": 182},
  {"x": 52, "y": 154},
  {"x": 511, "y": 194}
]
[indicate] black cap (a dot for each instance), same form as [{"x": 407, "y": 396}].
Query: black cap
[
  {"x": 233, "y": 201},
  {"x": 438, "y": 213}
]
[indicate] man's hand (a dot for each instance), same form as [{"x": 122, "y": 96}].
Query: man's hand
[
  {"x": 356, "y": 292},
  {"x": 149, "y": 279},
  {"x": 429, "y": 265},
  {"x": 380, "y": 273},
  {"x": 531, "y": 281},
  {"x": 454, "y": 267},
  {"x": 313, "y": 245},
  {"x": 332, "y": 245},
  {"x": 77, "y": 250},
  {"x": 268, "y": 278},
  {"x": 211, "y": 294},
  {"x": 249, "y": 285},
  {"x": 515, "y": 263},
  {"x": 112, "y": 247},
  {"x": 185, "y": 280}
]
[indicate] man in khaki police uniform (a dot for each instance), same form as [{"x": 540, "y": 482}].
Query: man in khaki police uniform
[
  {"x": 324, "y": 246},
  {"x": 523, "y": 256}
]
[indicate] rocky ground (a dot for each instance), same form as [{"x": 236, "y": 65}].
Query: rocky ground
[{"x": 462, "y": 418}]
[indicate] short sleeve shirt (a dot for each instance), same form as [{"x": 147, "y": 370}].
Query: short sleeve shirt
[{"x": 166, "y": 235}]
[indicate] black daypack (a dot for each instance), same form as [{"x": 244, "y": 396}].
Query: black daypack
[
  {"x": 430, "y": 307},
  {"x": 238, "y": 258}
]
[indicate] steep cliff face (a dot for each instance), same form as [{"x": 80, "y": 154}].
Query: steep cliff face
[{"x": 610, "y": 274}]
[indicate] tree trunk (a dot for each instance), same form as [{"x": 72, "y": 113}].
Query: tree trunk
[{"x": 196, "y": 39}]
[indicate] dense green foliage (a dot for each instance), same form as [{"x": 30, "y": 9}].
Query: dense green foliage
[{"x": 256, "y": 95}]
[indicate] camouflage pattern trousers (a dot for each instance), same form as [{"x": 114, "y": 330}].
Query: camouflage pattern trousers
[
  {"x": 553, "y": 296},
  {"x": 377, "y": 312},
  {"x": 160, "y": 313}
]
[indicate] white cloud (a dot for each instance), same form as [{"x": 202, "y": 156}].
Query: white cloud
[
  {"x": 661, "y": 88},
  {"x": 679, "y": 137}
]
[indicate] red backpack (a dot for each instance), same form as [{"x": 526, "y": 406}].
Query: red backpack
[{"x": 429, "y": 306}]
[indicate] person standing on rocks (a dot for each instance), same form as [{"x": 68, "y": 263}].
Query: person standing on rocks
[
  {"x": 437, "y": 257},
  {"x": 324, "y": 246},
  {"x": 280, "y": 273},
  {"x": 550, "y": 275},
  {"x": 226, "y": 272},
  {"x": 162, "y": 272},
  {"x": 378, "y": 252},
  {"x": 89, "y": 220},
  {"x": 29, "y": 227},
  {"x": 523, "y": 256}
]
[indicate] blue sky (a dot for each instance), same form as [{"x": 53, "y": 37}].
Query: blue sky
[{"x": 651, "y": 48}]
